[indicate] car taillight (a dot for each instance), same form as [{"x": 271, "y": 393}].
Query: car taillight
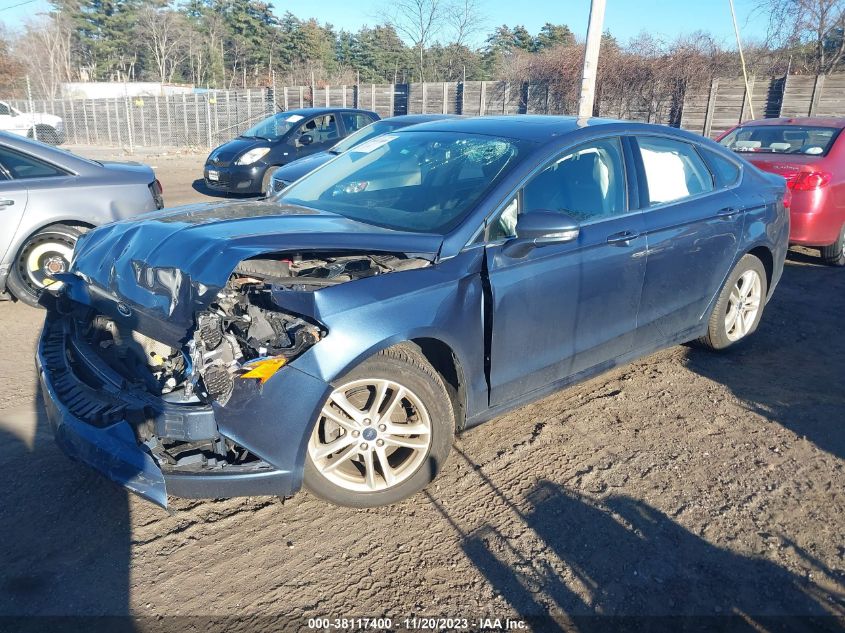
[
  {"x": 809, "y": 180},
  {"x": 156, "y": 191},
  {"x": 787, "y": 197}
]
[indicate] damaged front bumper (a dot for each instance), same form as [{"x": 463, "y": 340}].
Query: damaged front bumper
[{"x": 99, "y": 421}]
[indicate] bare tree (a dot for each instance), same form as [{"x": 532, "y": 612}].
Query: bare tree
[
  {"x": 816, "y": 25},
  {"x": 45, "y": 51},
  {"x": 419, "y": 21},
  {"x": 464, "y": 18},
  {"x": 164, "y": 35}
]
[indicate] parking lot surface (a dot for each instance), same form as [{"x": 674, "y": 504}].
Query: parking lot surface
[{"x": 687, "y": 483}]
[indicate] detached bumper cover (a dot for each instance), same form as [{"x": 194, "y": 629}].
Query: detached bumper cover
[
  {"x": 112, "y": 450},
  {"x": 96, "y": 426}
]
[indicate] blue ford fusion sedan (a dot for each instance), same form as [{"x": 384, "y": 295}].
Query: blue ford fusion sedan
[{"x": 423, "y": 282}]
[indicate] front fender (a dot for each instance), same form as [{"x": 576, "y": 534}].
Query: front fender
[{"x": 442, "y": 302}]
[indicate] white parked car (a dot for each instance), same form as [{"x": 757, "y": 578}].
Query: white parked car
[{"x": 45, "y": 127}]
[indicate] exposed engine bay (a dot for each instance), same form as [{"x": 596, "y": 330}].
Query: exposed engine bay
[{"x": 241, "y": 331}]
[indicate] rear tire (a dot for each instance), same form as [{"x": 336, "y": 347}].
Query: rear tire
[
  {"x": 739, "y": 307},
  {"x": 834, "y": 255},
  {"x": 45, "y": 134},
  {"x": 48, "y": 250},
  {"x": 394, "y": 439}
]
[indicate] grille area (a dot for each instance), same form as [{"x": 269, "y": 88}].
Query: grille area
[
  {"x": 81, "y": 394},
  {"x": 222, "y": 181}
]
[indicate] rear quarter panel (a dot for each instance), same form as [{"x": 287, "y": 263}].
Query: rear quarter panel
[
  {"x": 767, "y": 220},
  {"x": 81, "y": 201}
]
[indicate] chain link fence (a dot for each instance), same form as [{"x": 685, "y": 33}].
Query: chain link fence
[
  {"x": 203, "y": 120},
  {"x": 196, "y": 120}
]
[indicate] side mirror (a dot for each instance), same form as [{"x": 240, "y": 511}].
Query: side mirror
[
  {"x": 306, "y": 139},
  {"x": 541, "y": 228}
]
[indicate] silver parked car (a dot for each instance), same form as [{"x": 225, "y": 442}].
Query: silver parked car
[{"x": 48, "y": 197}]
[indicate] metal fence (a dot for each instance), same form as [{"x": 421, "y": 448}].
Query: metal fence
[
  {"x": 207, "y": 119},
  {"x": 179, "y": 121}
]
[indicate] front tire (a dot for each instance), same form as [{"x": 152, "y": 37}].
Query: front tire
[
  {"x": 43, "y": 254},
  {"x": 265, "y": 181},
  {"x": 739, "y": 307},
  {"x": 383, "y": 434},
  {"x": 834, "y": 255}
]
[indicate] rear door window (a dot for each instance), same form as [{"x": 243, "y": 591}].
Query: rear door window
[
  {"x": 353, "y": 121},
  {"x": 673, "y": 170}
]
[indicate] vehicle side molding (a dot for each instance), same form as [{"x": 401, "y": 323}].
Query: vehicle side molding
[{"x": 541, "y": 228}]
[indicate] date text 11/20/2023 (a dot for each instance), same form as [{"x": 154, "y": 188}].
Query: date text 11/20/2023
[{"x": 417, "y": 623}]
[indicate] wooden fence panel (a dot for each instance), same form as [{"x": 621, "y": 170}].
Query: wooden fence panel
[
  {"x": 798, "y": 95},
  {"x": 729, "y": 106},
  {"x": 831, "y": 100}
]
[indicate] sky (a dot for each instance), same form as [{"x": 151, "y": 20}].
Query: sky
[{"x": 624, "y": 18}]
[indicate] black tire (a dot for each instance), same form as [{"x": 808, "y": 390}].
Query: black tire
[
  {"x": 718, "y": 337},
  {"x": 834, "y": 255},
  {"x": 405, "y": 365},
  {"x": 19, "y": 282},
  {"x": 45, "y": 134}
]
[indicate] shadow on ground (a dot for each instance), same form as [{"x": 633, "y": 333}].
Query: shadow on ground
[
  {"x": 66, "y": 534},
  {"x": 790, "y": 370},
  {"x": 620, "y": 564}
]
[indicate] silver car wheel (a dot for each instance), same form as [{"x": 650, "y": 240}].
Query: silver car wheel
[
  {"x": 372, "y": 435},
  {"x": 743, "y": 305}
]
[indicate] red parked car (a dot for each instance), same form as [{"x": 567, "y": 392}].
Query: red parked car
[{"x": 810, "y": 155}]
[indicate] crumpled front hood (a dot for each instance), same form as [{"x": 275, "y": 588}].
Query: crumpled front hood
[{"x": 158, "y": 271}]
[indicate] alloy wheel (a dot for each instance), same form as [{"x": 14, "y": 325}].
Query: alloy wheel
[
  {"x": 743, "y": 305},
  {"x": 372, "y": 434}
]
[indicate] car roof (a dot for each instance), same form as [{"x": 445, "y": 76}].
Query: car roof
[
  {"x": 837, "y": 122},
  {"x": 313, "y": 111},
  {"x": 542, "y": 128},
  {"x": 413, "y": 119},
  {"x": 49, "y": 153}
]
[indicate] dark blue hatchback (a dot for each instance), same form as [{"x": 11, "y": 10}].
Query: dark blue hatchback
[
  {"x": 245, "y": 164},
  {"x": 422, "y": 282}
]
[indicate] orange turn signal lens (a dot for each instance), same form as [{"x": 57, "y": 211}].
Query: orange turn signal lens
[{"x": 263, "y": 369}]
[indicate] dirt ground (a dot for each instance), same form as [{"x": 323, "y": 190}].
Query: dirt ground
[{"x": 687, "y": 483}]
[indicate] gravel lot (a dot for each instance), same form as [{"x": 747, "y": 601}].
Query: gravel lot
[{"x": 686, "y": 483}]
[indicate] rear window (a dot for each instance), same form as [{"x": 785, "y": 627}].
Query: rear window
[
  {"x": 781, "y": 139},
  {"x": 21, "y": 167}
]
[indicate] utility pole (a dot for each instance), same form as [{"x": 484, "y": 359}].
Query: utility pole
[
  {"x": 591, "y": 58},
  {"x": 742, "y": 58}
]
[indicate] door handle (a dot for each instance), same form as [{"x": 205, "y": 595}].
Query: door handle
[
  {"x": 6, "y": 203},
  {"x": 727, "y": 212},
  {"x": 623, "y": 239}
]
